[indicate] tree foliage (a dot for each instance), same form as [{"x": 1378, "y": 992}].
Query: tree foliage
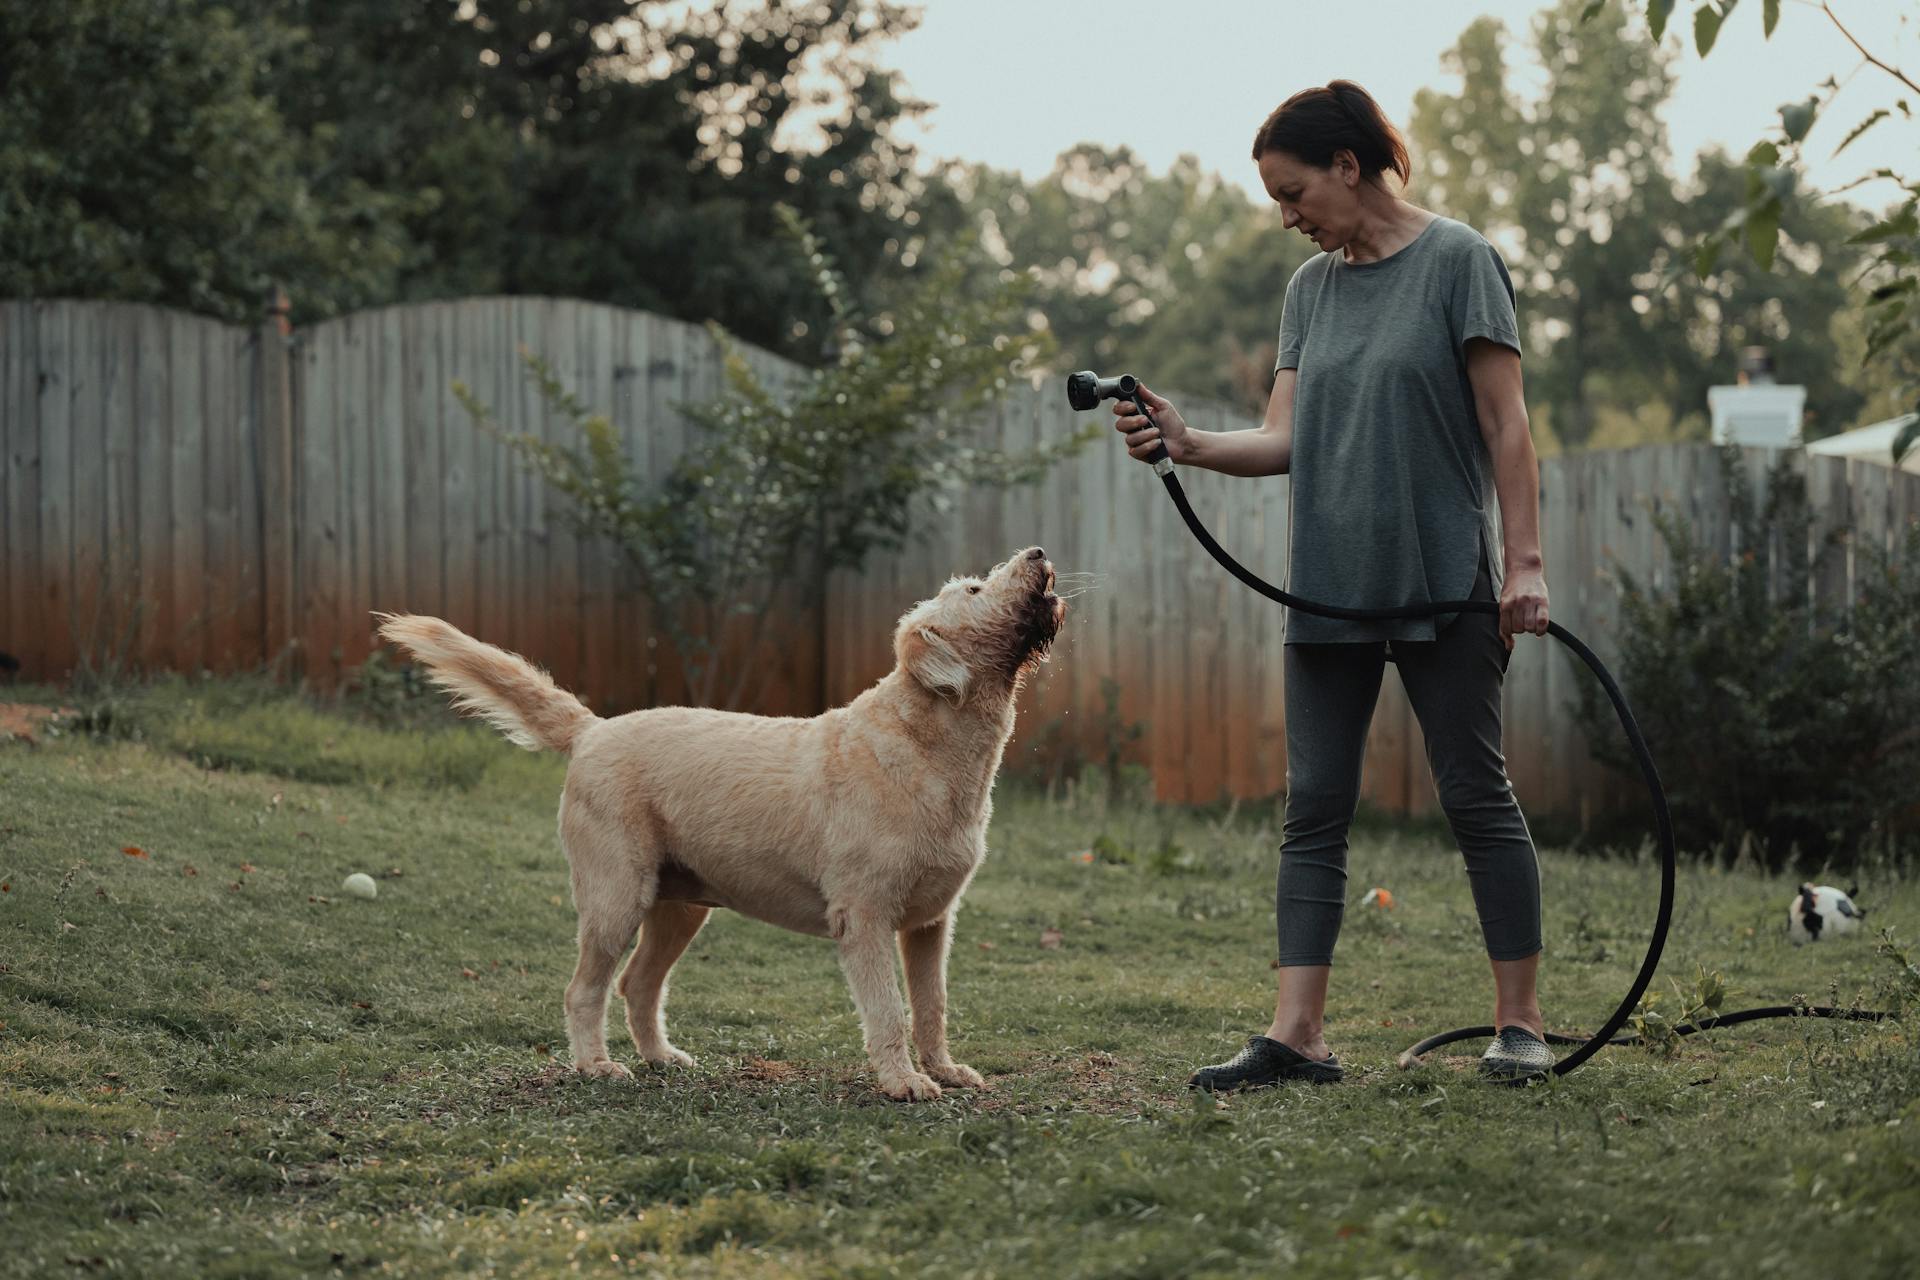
[
  {"x": 1775, "y": 175},
  {"x": 143, "y": 157},
  {"x": 1176, "y": 276}
]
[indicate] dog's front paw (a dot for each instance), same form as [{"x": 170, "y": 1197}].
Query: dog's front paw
[
  {"x": 604, "y": 1068},
  {"x": 668, "y": 1056},
  {"x": 909, "y": 1086},
  {"x": 957, "y": 1075}
]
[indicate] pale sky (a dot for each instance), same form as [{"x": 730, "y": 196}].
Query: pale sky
[{"x": 1015, "y": 82}]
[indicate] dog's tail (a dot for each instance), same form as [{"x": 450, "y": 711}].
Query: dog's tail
[{"x": 504, "y": 689}]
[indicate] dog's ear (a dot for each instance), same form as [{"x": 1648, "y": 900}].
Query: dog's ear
[{"x": 931, "y": 660}]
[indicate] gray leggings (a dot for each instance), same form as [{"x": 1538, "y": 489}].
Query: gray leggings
[{"x": 1453, "y": 683}]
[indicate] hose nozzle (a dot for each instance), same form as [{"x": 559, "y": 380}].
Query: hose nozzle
[{"x": 1086, "y": 389}]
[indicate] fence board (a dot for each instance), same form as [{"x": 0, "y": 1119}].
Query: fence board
[
  {"x": 616, "y": 689},
  {"x": 87, "y": 473},
  {"x": 220, "y": 499},
  {"x": 61, "y": 362},
  {"x": 390, "y": 479},
  {"x": 21, "y": 635},
  {"x": 424, "y": 592},
  {"x": 119, "y": 521},
  {"x": 11, "y": 372}
]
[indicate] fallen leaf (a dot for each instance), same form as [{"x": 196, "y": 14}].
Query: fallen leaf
[
  {"x": 468, "y": 973},
  {"x": 245, "y": 867},
  {"x": 341, "y": 819},
  {"x": 6, "y": 886},
  {"x": 234, "y": 887},
  {"x": 263, "y": 985},
  {"x": 986, "y": 946},
  {"x": 361, "y": 1004},
  {"x": 316, "y": 898},
  {"x": 543, "y": 1050},
  {"x": 189, "y": 870},
  {"x": 67, "y": 926},
  {"x": 1051, "y": 938},
  {"x": 275, "y": 802},
  {"x": 392, "y": 873},
  {"x": 133, "y": 851}
]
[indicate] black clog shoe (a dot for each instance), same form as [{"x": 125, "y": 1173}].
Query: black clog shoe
[{"x": 1264, "y": 1062}]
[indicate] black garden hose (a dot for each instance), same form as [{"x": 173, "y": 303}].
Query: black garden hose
[{"x": 1663, "y": 821}]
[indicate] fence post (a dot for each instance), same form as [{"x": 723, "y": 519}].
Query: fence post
[{"x": 276, "y": 484}]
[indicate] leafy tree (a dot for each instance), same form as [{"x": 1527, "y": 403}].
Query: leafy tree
[
  {"x": 1795, "y": 308},
  {"x": 1113, "y": 248},
  {"x": 627, "y": 151},
  {"x": 142, "y": 157},
  {"x": 796, "y": 481},
  {"x": 1775, "y": 174}
]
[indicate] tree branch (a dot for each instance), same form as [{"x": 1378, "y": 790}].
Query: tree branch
[{"x": 1892, "y": 71}]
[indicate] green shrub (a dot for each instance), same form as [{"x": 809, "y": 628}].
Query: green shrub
[{"x": 1781, "y": 727}]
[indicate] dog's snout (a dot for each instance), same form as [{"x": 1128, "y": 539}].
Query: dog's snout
[{"x": 1036, "y": 554}]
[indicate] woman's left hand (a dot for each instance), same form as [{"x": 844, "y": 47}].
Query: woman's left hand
[{"x": 1523, "y": 604}]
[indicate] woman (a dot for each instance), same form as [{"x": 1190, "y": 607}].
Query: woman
[{"x": 1397, "y": 409}]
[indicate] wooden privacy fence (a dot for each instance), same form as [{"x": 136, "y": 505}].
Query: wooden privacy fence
[{"x": 184, "y": 494}]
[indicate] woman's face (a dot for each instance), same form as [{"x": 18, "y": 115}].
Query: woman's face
[{"x": 1321, "y": 203}]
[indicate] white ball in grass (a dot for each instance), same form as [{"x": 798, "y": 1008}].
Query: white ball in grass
[{"x": 360, "y": 885}]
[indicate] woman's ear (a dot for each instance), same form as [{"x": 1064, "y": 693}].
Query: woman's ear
[{"x": 930, "y": 659}]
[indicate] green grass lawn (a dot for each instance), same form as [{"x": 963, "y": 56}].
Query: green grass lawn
[{"x": 217, "y": 1064}]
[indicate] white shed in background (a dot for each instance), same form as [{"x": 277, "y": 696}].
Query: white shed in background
[{"x": 1756, "y": 410}]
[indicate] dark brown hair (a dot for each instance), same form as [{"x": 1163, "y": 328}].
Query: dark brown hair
[{"x": 1315, "y": 123}]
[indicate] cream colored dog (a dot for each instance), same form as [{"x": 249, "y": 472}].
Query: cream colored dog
[{"x": 863, "y": 824}]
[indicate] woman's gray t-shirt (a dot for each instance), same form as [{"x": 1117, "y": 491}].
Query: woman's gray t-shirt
[{"x": 1392, "y": 486}]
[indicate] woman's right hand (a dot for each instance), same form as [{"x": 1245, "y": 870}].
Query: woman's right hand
[{"x": 1142, "y": 435}]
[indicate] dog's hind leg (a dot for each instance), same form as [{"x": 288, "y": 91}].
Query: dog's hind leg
[
  {"x": 603, "y": 936},
  {"x": 668, "y": 928},
  {"x": 614, "y": 885}
]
